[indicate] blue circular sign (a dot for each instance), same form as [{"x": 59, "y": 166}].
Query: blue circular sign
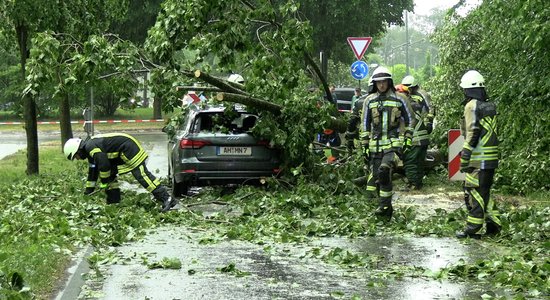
[{"x": 359, "y": 70}]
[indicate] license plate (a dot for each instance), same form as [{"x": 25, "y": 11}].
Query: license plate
[{"x": 236, "y": 151}]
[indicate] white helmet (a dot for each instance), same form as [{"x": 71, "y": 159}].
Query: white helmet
[
  {"x": 409, "y": 81},
  {"x": 236, "y": 78},
  {"x": 71, "y": 147},
  {"x": 381, "y": 73},
  {"x": 472, "y": 79}
]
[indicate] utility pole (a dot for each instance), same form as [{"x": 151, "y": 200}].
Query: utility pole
[{"x": 407, "y": 42}]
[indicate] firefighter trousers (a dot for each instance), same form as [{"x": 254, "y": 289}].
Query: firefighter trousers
[
  {"x": 478, "y": 186},
  {"x": 413, "y": 163},
  {"x": 380, "y": 178}
]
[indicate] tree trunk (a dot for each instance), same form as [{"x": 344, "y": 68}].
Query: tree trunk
[
  {"x": 65, "y": 119},
  {"x": 157, "y": 108},
  {"x": 29, "y": 106}
]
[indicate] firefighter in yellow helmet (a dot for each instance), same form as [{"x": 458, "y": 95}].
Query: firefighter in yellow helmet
[
  {"x": 423, "y": 115},
  {"x": 383, "y": 111},
  {"x": 479, "y": 156}
]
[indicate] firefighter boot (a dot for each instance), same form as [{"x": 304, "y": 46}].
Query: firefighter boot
[
  {"x": 470, "y": 232},
  {"x": 385, "y": 209},
  {"x": 113, "y": 196},
  {"x": 492, "y": 229}
]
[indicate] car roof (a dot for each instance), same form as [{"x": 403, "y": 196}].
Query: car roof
[
  {"x": 345, "y": 89},
  {"x": 215, "y": 108}
]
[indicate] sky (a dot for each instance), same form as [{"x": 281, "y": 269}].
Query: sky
[{"x": 423, "y": 7}]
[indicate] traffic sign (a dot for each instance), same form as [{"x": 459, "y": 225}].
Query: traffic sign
[
  {"x": 359, "y": 70},
  {"x": 359, "y": 45}
]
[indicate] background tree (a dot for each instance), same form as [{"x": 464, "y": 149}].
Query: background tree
[
  {"x": 508, "y": 42},
  {"x": 23, "y": 18},
  {"x": 334, "y": 21}
]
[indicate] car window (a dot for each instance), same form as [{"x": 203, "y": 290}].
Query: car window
[
  {"x": 344, "y": 95},
  {"x": 218, "y": 122}
]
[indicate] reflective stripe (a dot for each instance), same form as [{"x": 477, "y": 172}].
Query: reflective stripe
[
  {"x": 113, "y": 155},
  {"x": 94, "y": 151},
  {"x": 90, "y": 184},
  {"x": 129, "y": 165},
  {"x": 386, "y": 193},
  {"x": 371, "y": 188},
  {"x": 472, "y": 180},
  {"x": 478, "y": 198},
  {"x": 493, "y": 214},
  {"x": 475, "y": 220},
  {"x": 105, "y": 174},
  {"x": 150, "y": 184}
]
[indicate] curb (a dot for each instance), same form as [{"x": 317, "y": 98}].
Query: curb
[{"x": 73, "y": 285}]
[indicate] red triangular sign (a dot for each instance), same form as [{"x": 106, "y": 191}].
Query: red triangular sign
[{"x": 359, "y": 45}]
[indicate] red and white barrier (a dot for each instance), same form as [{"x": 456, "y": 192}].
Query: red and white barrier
[
  {"x": 456, "y": 141},
  {"x": 82, "y": 122}
]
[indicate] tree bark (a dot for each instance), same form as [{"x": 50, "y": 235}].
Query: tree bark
[
  {"x": 29, "y": 106},
  {"x": 65, "y": 119},
  {"x": 157, "y": 108},
  {"x": 250, "y": 101}
]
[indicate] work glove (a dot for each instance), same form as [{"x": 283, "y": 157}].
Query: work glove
[
  {"x": 89, "y": 190},
  {"x": 350, "y": 136},
  {"x": 430, "y": 127},
  {"x": 465, "y": 161},
  {"x": 366, "y": 155}
]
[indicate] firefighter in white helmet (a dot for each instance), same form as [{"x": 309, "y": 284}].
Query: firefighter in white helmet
[
  {"x": 383, "y": 111},
  {"x": 479, "y": 156},
  {"x": 236, "y": 78},
  {"x": 112, "y": 154}
]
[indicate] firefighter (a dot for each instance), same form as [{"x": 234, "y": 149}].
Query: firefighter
[
  {"x": 479, "y": 156},
  {"x": 112, "y": 154},
  {"x": 352, "y": 132},
  {"x": 383, "y": 111},
  {"x": 414, "y": 158}
]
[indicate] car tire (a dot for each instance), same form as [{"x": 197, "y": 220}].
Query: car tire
[{"x": 179, "y": 189}]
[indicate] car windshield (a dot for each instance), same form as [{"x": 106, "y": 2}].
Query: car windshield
[
  {"x": 220, "y": 122},
  {"x": 344, "y": 95}
]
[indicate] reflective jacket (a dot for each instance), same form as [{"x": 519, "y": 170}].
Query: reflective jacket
[
  {"x": 107, "y": 151},
  {"x": 381, "y": 117},
  {"x": 479, "y": 128},
  {"x": 421, "y": 135}
]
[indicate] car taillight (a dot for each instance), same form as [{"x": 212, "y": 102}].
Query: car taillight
[
  {"x": 193, "y": 144},
  {"x": 265, "y": 143}
]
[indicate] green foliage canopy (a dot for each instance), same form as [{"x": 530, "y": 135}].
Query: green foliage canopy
[
  {"x": 508, "y": 42},
  {"x": 265, "y": 43}
]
